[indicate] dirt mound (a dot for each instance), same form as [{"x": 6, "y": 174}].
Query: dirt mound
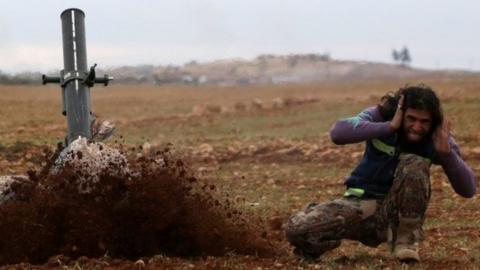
[{"x": 158, "y": 208}]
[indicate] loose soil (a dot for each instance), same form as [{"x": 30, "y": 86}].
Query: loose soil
[{"x": 158, "y": 209}]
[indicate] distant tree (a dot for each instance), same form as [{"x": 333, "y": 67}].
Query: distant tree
[
  {"x": 325, "y": 56},
  {"x": 405, "y": 59},
  {"x": 20, "y": 78},
  {"x": 402, "y": 56},
  {"x": 395, "y": 55},
  {"x": 192, "y": 63}
]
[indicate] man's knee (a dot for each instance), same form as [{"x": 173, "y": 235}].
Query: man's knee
[
  {"x": 410, "y": 191},
  {"x": 315, "y": 224},
  {"x": 324, "y": 222},
  {"x": 313, "y": 235},
  {"x": 303, "y": 227},
  {"x": 412, "y": 175},
  {"x": 295, "y": 227},
  {"x": 413, "y": 166}
]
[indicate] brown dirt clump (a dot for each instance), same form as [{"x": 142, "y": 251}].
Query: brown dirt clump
[{"x": 160, "y": 208}]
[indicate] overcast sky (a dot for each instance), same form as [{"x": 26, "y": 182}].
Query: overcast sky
[{"x": 439, "y": 34}]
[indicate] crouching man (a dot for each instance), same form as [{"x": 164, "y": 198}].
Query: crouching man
[{"x": 388, "y": 192}]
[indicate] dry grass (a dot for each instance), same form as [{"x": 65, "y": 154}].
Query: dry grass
[{"x": 273, "y": 183}]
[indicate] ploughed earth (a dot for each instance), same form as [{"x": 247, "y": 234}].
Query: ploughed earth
[
  {"x": 96, "y": 207},
  {"x": 219, "y": 202}
]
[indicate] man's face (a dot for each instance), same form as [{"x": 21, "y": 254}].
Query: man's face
[{"x": 416, "y": 124}]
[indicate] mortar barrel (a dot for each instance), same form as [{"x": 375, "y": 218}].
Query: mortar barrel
[{"x": 77, "y": 94}]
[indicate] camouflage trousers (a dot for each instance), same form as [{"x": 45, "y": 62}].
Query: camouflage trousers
[{"x": 398, "y": 218}]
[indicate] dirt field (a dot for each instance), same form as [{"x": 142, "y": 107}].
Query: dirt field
[{"x": 266, "y": 150}]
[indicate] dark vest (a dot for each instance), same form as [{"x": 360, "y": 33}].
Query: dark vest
[{"x": 375, "y": 172}]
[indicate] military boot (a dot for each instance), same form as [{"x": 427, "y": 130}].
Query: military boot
[{"x": 404, "y": 239}]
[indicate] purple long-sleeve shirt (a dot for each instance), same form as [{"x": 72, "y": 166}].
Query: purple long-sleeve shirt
[{"x": 369, "y": 124}]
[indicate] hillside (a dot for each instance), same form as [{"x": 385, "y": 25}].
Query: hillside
[
  {"x": 271, "y": 69},
  {"x": 263, "y": 70}
]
